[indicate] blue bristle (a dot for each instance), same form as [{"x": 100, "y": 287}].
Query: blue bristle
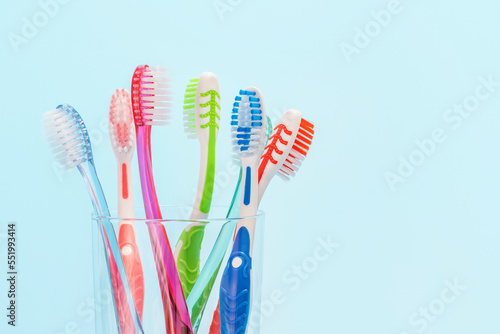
[
  {"x": 246, "y": 92},
  {"x": 243, "y": 142},
  {"x": 246, "y": 119}
]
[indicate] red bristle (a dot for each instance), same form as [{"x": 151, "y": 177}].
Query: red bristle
[
  {"x": 298, "y": 149},
  {"x": 307, "y": 125},
  {"x": 301, "y": 144},
  {"x": 305, "y": 140},
  {"x": 305, "y": 133}
]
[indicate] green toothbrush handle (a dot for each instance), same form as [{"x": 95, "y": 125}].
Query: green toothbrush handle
[{"x": 188, "y": 260}]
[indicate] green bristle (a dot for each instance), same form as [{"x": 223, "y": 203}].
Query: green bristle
[
  {"x": 269, "y": 129},
  {"x": 188, "y": 109}
]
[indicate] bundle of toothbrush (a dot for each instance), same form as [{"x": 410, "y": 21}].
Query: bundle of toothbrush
[{"x": 262, "y": 153}]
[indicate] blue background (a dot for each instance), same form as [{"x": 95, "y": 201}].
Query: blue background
[{"x": 396, "y": 246}]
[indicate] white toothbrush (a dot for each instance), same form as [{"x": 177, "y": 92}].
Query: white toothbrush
[
  {"x": 248, "y": 123},
  {"x": 286, "y": 149}
]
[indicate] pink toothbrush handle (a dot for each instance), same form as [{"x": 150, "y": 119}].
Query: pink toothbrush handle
[
  {"x": 177, "y": 320},
  {"x": 132, "y": 264}
]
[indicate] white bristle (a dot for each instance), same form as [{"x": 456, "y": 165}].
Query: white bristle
[
  {"x": 67, "y": 136},
  {"x": 121, "y": 123},
  {"x": 291, "y": 165},
  {"x": 298, "y": 151},
  {"x": 154, "y": 96}
]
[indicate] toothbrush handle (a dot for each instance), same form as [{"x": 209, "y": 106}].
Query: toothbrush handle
[
  {"x": 124, "y": 316},
  {"x": 177, "y": 320},
  {"x": 188, "y": 256},
  {"x": 126, "y": 312},
  {"x": 132, "y": 263},
  {"x": 188, "y": 260},
  {"x": 150, "y": 199},
  {"x": 234, "y": 297},
  {"x": 215, "y": 326},
  {"x": 125, "y": 191},
  {"x": 249, "y": 198}
]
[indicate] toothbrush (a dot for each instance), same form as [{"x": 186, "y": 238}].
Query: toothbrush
[
  {"x": 150, "y": 104},
  {"x": 249, "y": 129},
  {"x": 198, "y": 297},
  {"x": 122, "y": 136},
  {"x": 201, "y": 119},
  {"x": 287, "y": 148},
  {"x": 70, "y": 141}
]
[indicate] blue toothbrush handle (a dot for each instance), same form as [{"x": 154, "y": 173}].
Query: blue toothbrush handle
[{"x": 235, "y": 286}]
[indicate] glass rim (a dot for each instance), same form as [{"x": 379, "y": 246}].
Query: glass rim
[{"x": 259, "y": 214}]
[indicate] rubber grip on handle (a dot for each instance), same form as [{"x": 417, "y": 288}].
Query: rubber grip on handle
[
  {"x": 132, "y": 263},
  {"x": 234, "y": 294},
  {"x": 188, "y": 260}
]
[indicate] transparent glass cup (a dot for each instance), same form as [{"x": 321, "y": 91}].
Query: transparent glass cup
[{"x": 116, "y": 300}]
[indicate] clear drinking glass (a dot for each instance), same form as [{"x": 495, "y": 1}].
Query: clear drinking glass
[{"x": 216, "y": 248}]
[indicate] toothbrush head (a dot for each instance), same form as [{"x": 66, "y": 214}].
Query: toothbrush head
[
  {"x": 68, "y": 136},
  {"x": 299, "y": 150},
  {"x": 151, "y": 96},
  {"x": 287, "y": 147},
  {"x": 121, "y": 124},
  {"x": 202, "y": 106},
  {"x": 248, "y": 124}
]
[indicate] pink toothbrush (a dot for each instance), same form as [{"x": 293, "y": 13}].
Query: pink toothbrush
[{"x": 150, "y": 104}]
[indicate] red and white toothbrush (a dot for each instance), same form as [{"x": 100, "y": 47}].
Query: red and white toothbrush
[{"x": 122, "y": 135}]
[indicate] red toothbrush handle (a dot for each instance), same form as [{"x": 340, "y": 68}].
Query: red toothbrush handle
[
  {"x": 125, "y": 320},
  {"x": 215, "y": 327},
  {"x": 132, "y": 263}
]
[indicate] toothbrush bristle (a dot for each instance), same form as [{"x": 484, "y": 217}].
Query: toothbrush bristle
[
  {"x": 67, "y": 136},
  {"x": 269, "y": 129},
  {"x": 189, "y": 108},
  {"x": 247, "y": 123},
  {"x": 151, "y": 96},
  {"x": 299, "y": 150},
  {"x": 121, "y": 122}
]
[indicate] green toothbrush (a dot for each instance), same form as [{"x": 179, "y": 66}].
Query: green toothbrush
[{"x": 201, "y": 119}]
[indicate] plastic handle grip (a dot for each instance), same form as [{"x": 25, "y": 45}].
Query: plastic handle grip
[
  {"x": 132, "y": 264},
  {"x": 235, "y": 287},
  {"x": 188, "y": 260}
]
